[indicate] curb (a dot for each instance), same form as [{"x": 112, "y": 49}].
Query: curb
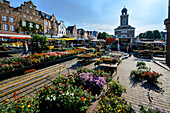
[{"x": 162, "y": 65}]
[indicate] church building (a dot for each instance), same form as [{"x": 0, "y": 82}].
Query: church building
[{"x": 125, "y": 33}]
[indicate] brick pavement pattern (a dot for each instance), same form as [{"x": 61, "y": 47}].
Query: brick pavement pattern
[{"x": 137, "y": 91}]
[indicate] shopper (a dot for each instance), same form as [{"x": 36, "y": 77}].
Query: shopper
[{"x": 25, "y": 48}]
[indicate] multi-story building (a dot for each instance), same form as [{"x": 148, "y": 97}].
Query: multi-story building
[
  {"x": 125, "y": 32},
  {"x": 92, "y": 35},
  {"x": 71, "y": 31},
  {"x": 49, "y": 23},
  {"x": 80, "y": 33},
  {"x": 26, "y": 19},
  {"x": 61, "y": 29}
]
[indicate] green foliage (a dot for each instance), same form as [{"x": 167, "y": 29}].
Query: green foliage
[
  {"x": 20, "y": 23},
  {"x": 157, "y": 34},
  {"x": 141, "y": 63},
  {"x": 34, "y": 29},
  {"x": 37, "y": 37},
  {"x": 149, "y": 35},
  {"x": 104, "y": 35},
  {"x": 18, "y": 30}
]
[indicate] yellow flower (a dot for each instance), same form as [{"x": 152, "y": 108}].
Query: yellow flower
[
  {"x": 103, "y": 106},
  {"x": 16, "y": 101},
  {"x": 29, "y": 105},
  {"x": 120, "y": 106},
  {"x": 116, "y": 102},
  {"x": 85, "y": 99},
  {"x": 37, "y": 106},
  {"x": 64, "y": 80},
  {"x": 119, "y": 110},
  {"x": 32, "y": 100},
  {"x": 74, "y": 91},
  {"x": 101, "y": 111},
  {"x": 40, "y": 101},
  {"x": 22, "y": 106},
  {"x": 25, "y": 96},
  {"x": 14, "y": 111},
  {"x": 28, "y": 96}
]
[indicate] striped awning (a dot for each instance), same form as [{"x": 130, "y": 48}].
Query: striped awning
[{"x": 15, "y": 36}]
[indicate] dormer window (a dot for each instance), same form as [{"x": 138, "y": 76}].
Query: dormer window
[
  {"x": 2, "y": 1},
  {"x": 30, "y": 6}
]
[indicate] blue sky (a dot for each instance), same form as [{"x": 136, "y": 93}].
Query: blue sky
[{"x": 104, "y": 15}]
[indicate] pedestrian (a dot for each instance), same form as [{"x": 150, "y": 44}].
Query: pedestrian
[
  {"x": 127, "y": 48},
  {"x": 130, "y": 49},
  {"x": 118, "y": 47},
  {"x": 25, "y": 48}
]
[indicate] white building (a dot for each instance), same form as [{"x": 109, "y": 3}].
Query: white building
[{"x": 61, "y": 29}]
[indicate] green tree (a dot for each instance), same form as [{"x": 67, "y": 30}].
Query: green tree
[
  {"x": 157, "y": 34},
  {"x": 141, "y": 35},
  {"x": 99, "y": 35},
  {"x": 149, "y": 35}
]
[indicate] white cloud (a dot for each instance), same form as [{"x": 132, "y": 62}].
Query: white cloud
[{"x": 102, "y": 28}]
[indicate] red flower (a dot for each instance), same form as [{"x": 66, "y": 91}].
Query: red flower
[
  {"x": 54, "y": 88},
  {"x": 6, "y": 101},
  {"x": 88, "y": 97},
  {"x": 69, "y": 77},
  {"x": 23, "y": 101},
  {"x": 61, "y": 77},
  {"x": 61, "y": 83},
  {"x": 15, "y": 94},
  {"x": 75, "y": 94},
  {"x": 76, "y": 100},
  {"x": 82, "y": 98},
  {"x": 70, "y": 86},
  {"x": 50, "y": 86},
  {"x": 87, "y": 89},
  {"x": 39, "y": 91},
  {"x": 66, "y": 85},
  {"x": 80, "y": 92},
  {"x": 17, "y": 107},
  {"x": 21, "y": 97}
]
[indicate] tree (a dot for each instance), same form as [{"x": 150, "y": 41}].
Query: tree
[
  {"x": 157, "y": 34},
  {"x": 149, "y": 35},
  {"x": 141, "y": 35},
  {"x": 99, "y": 35}
]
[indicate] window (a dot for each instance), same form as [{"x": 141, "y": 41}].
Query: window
[
  {"x": 11, "y": 27},
  {"x": 24, "y": 23},
  {"x": 2, "y": 1},
  {"x": 27, "y": 11},
  {"x": 36, "y": 19},
  {"x": 62, "y": 32},
  {"x": 5, "y": 18},
  {"x": 31, "y": 18},
  {"x": 33, "y": 13},
  {"x": 45, "y": 30},
  {"x": 5, "y": 27},
  {"x": 31, "y": 25},
  {"x": 123, "y": 36},
  {"x": 50, "y": 24},
  {"x": 30, "y": 6},
  {"x": 124, "y": 21},
  {"x": 48, "y": 30},
  {"x": 25, "y": 16},
  {"x": 46, "y": 23},
  {"x": 37, "y": 26},
  {"x": 7, "y": 11},
  {"x": 11, "y": 19}
]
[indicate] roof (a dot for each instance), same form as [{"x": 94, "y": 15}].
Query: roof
[
  {"x": 46, "y": 15},
  {"x": 124, "y": 27},
  {"x": 70, "y": 28}
]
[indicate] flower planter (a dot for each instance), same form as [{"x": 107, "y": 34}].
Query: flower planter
[{"x": 20, "y": 71}]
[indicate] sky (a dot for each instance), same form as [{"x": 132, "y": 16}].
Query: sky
[{"x": 104, "y": 15}]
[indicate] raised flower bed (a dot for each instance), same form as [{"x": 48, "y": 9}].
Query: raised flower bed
[{"x": 143, "y": 73}]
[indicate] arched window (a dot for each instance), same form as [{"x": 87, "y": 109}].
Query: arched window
[{"x": 124, "y": 21}]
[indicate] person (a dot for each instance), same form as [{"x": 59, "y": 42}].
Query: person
[
  {"x": 72, "y": 44},
  {"x": 130, "y": 49},
  {"x": 118, "y": 47},
  {"x": 127, "y": 48},
  {"x": 25, "y": 48}
]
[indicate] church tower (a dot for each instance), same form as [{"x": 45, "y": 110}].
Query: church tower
[
  {"x": 124, "y": 17},
  {"x": 125, "y": 32}
]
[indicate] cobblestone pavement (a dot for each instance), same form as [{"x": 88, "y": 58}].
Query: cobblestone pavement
[{"x": 137, "y": 91}]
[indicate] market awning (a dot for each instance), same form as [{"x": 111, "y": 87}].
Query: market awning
[{"x": 14, "y": 36}]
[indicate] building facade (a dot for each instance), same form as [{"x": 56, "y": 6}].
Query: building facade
[
  {"x": 71, "y": 31},
  {"x": 125, "y": 32},
  {"x": 80, "y": 33},
  {"x": 26, "y": 19},
  {"x": 50, "y": 26},
  {"x": 92, "y": 35},
  {"x": 61, "y": 29}
]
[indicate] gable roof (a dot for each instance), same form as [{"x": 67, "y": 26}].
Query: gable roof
[{"x": 46, "y": 15}]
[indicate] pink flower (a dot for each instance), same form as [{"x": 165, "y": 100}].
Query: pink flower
[{"x": 60, "y": 92}]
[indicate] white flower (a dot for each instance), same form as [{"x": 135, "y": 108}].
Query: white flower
[
  {"x": 61, "y": 100},
  {"x": 54, "y": 97},
  {"x": 67, "y": 93},
  {"x": 96, "y": 95},
  {"x": 47, "y": 98},
  {"x": 63, "y": 94},
  {"x": 72, "y": 94}
]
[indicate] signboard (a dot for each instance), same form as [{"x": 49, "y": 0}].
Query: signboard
[{"x": 110, "y": 40}]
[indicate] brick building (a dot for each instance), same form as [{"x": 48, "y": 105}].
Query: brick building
[{"x": 26, "y": 19}]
